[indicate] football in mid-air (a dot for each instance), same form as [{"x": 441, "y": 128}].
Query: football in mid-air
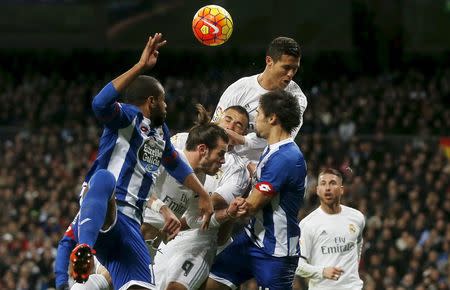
[{"x": 212, "y": 25}]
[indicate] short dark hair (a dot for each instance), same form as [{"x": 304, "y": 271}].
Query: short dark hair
[
  {"x": 284, "y": 105},
  {"x": 333, "y": 172},
  {"x": 207, "y": 134},
  {"x": 142, "y": 88},
  {"x": 241, "y": 110},
  {"x": 283, "y": 45}
]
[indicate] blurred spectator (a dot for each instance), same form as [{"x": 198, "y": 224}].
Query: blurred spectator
[{"x": 379, "y": 131}]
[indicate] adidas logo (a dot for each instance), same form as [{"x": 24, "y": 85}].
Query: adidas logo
[{"x": 324, "y": 232}]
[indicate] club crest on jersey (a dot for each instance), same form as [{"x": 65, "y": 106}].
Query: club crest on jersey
[
  {"x": 150, "y": 154},
  {"x": 217, "y": 115},
  {"x": 144, "y": 129}
]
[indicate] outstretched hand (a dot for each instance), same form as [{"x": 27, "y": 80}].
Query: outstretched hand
[
  {"x": 235, "y": 138},
  {"x": 151, "y": 51}
]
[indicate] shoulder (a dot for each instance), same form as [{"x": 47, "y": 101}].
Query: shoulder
[
  {"x": 353, "y": 212},
  {"x": 295, "y": 89},
  {"x": 129, "y": 109},
  {"x": 246, "y": 80},
  {"x": 179, "y": 140},
  {"x": 288, "y": 153},
  {"x": 309, "y": 219},
  {"x": 243, "y": 82}
]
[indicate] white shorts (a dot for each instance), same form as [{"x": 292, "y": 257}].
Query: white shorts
[
  {"x": 186, "y": 260},
  {"x": 95, "y": 282}
]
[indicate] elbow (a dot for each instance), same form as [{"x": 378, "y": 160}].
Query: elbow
[
  {"x": 301, "y": 272},
  {"x": 96, "y": 104}
]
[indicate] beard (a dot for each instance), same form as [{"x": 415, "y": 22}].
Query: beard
[
  {"x": 158, "y": 118},
  {"x": 209, "y": 167}
]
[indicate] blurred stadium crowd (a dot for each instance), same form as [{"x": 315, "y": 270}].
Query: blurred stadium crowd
[{"x": 382, "y": 131}]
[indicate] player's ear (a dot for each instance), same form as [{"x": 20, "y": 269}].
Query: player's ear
[
  {"x": 273, "y": 119},
  {"x": 152, "y": 100},
  {"x": 269, "y": 60},
  {"x": 202, "y": 149}
]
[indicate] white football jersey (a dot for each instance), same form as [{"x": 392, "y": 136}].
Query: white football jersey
[
  {"x": 333, "y": 240},
  {"x": 245, "y": 92},
  {"x": 175, "y": 195},
  {"x": 188, "y": 258}
]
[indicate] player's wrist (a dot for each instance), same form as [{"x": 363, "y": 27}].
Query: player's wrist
[
  {"x": 229, "y": 215},
  {"x": 156, "y": 205}
]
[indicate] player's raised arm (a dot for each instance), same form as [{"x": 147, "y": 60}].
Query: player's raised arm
[
  {"x": 105, "y": 104},
  {"x": 147, "y": 61}
]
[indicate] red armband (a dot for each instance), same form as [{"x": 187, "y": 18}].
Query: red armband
[{"x": 266, "y": 188}]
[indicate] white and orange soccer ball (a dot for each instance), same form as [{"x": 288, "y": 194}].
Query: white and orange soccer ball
[{"x": 212, "y": 25}]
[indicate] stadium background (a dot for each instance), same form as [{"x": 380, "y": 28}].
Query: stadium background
[{"x": 377, "y": 78}]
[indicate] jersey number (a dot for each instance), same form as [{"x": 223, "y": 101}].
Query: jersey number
[{"x": 187, "y": 267}]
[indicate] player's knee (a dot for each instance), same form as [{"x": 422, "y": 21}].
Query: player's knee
[
  {"x": 175, "y": 286},
  {"x": 103, "y": 180}
]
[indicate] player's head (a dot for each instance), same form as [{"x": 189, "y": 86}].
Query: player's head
[
  {"x": 277, "y": 108},
  {"x": 210, "y": 141},
  {"x": 330, "y": 186},
  {"x": 148, "y": 94},
  {"x": 282, "y": 61},
  {"x": 235, "y": 118}
]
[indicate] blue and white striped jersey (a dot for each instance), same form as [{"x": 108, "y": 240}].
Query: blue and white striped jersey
[
  {"x": 132, "y": 150},
  {"x": 281, "y": 173}
]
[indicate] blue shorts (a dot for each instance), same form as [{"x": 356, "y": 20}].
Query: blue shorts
[
  {"x": 243, "y": 260},
  {"x": 122, "y": 250}
]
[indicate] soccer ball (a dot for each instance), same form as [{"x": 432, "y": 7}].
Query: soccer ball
[{"x": 212, "y": 25}]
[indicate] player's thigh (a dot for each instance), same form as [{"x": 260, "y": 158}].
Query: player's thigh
[
  {"x": 124, "y": 253},
  {"x": 232, "y": 266},
  {"x": 213, "y": 284},
  {"x": 175, "y": 286},
  {"x": 274, "y": 273},
  {"x": 187, "y": 270}
]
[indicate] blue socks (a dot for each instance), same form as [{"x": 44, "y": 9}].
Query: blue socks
[{"x": 94, "y": 206}]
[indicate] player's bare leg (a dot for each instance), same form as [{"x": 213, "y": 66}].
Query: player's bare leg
[
  {"x": 175, "y": 286},
  {"x": 212, "y": 284}
]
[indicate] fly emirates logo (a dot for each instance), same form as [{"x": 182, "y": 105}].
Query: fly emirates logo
[{"x": 341, "y": 245}]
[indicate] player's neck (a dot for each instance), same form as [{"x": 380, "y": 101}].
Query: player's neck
[
  {"x": 276, "y": 135},
  {"x": 334, "y": 208},
  {"x": 145, "y": 111},
  {"x": 266, "y": 82}
]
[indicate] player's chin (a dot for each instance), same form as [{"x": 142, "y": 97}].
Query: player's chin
[
  {"x": 284, "y": 84},
  {"x": 159, "y": 121},
  {"x": 213, "y": 170}
]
